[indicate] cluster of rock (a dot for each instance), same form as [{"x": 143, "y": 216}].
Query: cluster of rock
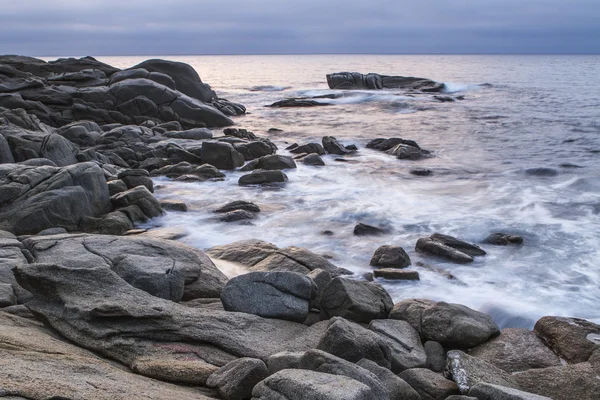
[{"x": 402, "y": 149}]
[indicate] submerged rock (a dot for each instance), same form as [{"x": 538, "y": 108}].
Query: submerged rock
[
  {"x": 396, "y": 274},
  {"x": 449, "y": 247},
  {"x": 363, "y": 229},
  {"x": 502, "y": 239},
  {"x": 298, "y": 103}
]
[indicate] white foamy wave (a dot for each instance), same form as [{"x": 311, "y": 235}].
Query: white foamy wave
[{"x": 453, "y": 87}]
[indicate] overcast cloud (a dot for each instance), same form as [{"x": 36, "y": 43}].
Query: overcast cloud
[{"x": 176, "y": 27}]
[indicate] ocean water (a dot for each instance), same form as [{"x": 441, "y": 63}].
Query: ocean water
[{"x": 520, "y": 113}]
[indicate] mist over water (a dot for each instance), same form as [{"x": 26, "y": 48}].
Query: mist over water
[{"x": 518, "y": 155}]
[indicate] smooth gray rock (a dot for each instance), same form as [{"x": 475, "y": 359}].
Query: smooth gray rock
[
  {"x": 468, "y": 371},
  {"x": 5, "y": 153},
  {"x": 428, "y": 384},
  {"x": 573, "y": 339},
  {"x": 398, "y": 389},
  {"x": 7, "y": 295},
  {"x": 352, "y": 342},
  {"x": 235, "y": 380},
  {"x": 486, "y": 391},
  {"x": 98, "y": 310},
  {"x": 292, "y": 384},
  {"x": 114, "y": 223},
  {"x": 436, "y": 356},
  {"x": 452, "y": 325},
  {"x": 390, "y": 257},
  {"x": 404, "y": 342},
  {"x": 221, "y": 155},
  {"x": 263, "y": 178},
  {"x": 355, "y": 300},
  {"x": 281, "y": 295},
  {"x": 320, "y": 361},
  {"x": 36, "y": 198},
  {"x": 271, "y": 163},
  {"x": 284, "y": 360},
  {"x": 164, "y": 268},
  {"x": 516, "y": 350}
]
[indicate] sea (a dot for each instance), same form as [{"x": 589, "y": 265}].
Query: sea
[{"x": 519, "y": 154}]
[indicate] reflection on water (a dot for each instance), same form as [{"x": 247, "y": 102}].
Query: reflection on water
[{"x": 497, "y": 167}]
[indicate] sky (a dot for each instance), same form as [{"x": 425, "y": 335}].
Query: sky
[{"x": 179, "y": 27}]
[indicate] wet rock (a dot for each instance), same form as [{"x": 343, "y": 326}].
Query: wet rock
[
  {"x": 574, "y": 381},
  {"x": 36, "y": 198},
  {"x": 445, "y": 99},
  {"x": 355, "y": 80},
  {"x": 452, "y": 325},
  {"x": 313, "y": 159},
  {"x": 320, "y": 361},
  {"x": 428, "y": 384},
  {"x": 541, "y": 172},
  {"x": 573, "y": 339},
  {"x": 438, "y": 271},
  {"x": 36, "y": 364},
  {"x": 406, "y": 152},
  {"x": 352, "y": 342},
  {"x": 298, "y": 103},
  {"x": 302, "y": 384},
  {"x": 271, "y": 163},
  {"x": 355, "y": 300},
  {"x": 236, "y": 215},
  {"x": 448, "y": 247},
  {"x": 397, "y": 388},
  {"x": 311, "y": 148},
  {"x": 263, "y": 178},
  {"x": 282, "y": 295},
  {"x": 238, "y": 205},
  {"x": 404, "y": 341},
  {"x": 284, "y": 360},
  {"x": 235, "y": 380},
  {"x": 460, "y": 397},
  {"x": 173, "y": 205},
  {"x": 221, "y": 155},
  {"x": 388, "y": 144},
  {"x": 502, "y": 239},
  {"x": 421, "y": 172},
  {"x": 254, "y": 150},
  {"x": 486, "y": 391},
  {"x": 257, "y": 255},
  {"x": 364, "y": 229},
  {"x": 390, "y": 257},
  {"x": 332, "y": 146},
  {"x": 516, "y": 350},
  {"x": 396, "y": 274},
  {"x": 436, "y": 356},
  {"x": 468, "y": 371}
]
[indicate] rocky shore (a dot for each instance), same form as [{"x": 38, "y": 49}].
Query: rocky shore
[{"x": 93, "y": 308}]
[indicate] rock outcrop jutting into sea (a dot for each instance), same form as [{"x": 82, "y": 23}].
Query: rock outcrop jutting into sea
[{"x": 93, "y": 308}]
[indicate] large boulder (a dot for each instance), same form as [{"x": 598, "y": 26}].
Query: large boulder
[
  {"x": 516, "y": 350},
  {"x": 355, "y": 80},
  {"x": 271, "y": 162},
  {"x": 355, "y": 300},
  {"x": 452, "y": 325},
  {"x": 573, "y": 339},
  {"x": 36, "y": 198},
  {"x": 236, "y": 380},
  {"x": 221, "y": 155},
  {"x": 282, "y": 295},
  {"x": 390, "y": 257},
  {"x": 165, "y": 269},
  {"x": 573, "y": 381},
  {"x": 404, "y": 341},
  {"x": 294, "y": 384}
]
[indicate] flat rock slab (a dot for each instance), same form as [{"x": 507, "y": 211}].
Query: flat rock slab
[{"x": 396, "y": 274}]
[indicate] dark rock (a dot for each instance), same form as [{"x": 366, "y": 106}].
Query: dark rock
[
  {"x": 114, "y": 223},
  {"x": 364, "y": 229},
  {"x": 436, "y": 356},
  {"x": 486, "y": 391},
  {"x": 428, "y": 384},
  {"x": 404, "y": 342},
  {"x": 574, "y": 381},
  {"x": 355, "y": 80},
  {"x": 352, "y": 342},
  {"x": 282, "y": 295},
  {"x": 52, "y": 231},
  {"x": 238, "y": 205},
  {"x": 468, "y": 371},
  {"x": 235, "y": 380},
  {"x": 298, "y": 103},
  {"x": 516, "y": 350},
  {"x": 254, "y": 150},
  {"x": 236, "y": 215},
  {"x": 332, "y": 146},
  {"x": 437, "y": 248},
  {"x": 313, "y": 159},
  {"x": 190, "y": 134},
  {"x": 406, "y": 152},
  {"x": 116, "y": 186},
  {"x": 355, "y": 300},
  {"x": 502, "y": 239},
  {"x": 221, "y": 155},
  {"x": 263, "y": 178},
  {"x": 141, "y": 197},
  {"x": 240, "y": 133},
  {"x": 445, "y": 99},
  {"x": 284, "y": 360},
  {"x": 396, "y": 274},
  {"x": 421, "y": 172},
  {"x": 452, "y": 325},
  {"x": 173, "y": 205},
  {"x": 310, "y": 148},
  {"x": 390, "y": 257},
  {"x": 321, "y": 279},
  {"x": 137, "y": 177},
  {"x": 541, "y": 172},
  {"x": 388, "y": 144},
  {"x": 397, "y": 388},
  {"x": 320, "y": 361},
  {"x": 460, "y": 397},
  {"x": 7, "y": 295},
  {"x": 271, "y": 163},
  {"x": 573, "y": 339},
  {"x": 293, "y": 384}
]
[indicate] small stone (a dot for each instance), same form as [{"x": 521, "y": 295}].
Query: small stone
[
  {"x": 502, "y": 239},
  {"x": 173, "y": 205},
  {"x": 364, "y": 229},
  {"x": 263, "y": 178},
  {"x": 421, "y": 172},
  {"x": 396, "y": 274}
]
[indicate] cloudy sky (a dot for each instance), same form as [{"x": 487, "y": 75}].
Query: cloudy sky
[{"x": 175, "y": 27}]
